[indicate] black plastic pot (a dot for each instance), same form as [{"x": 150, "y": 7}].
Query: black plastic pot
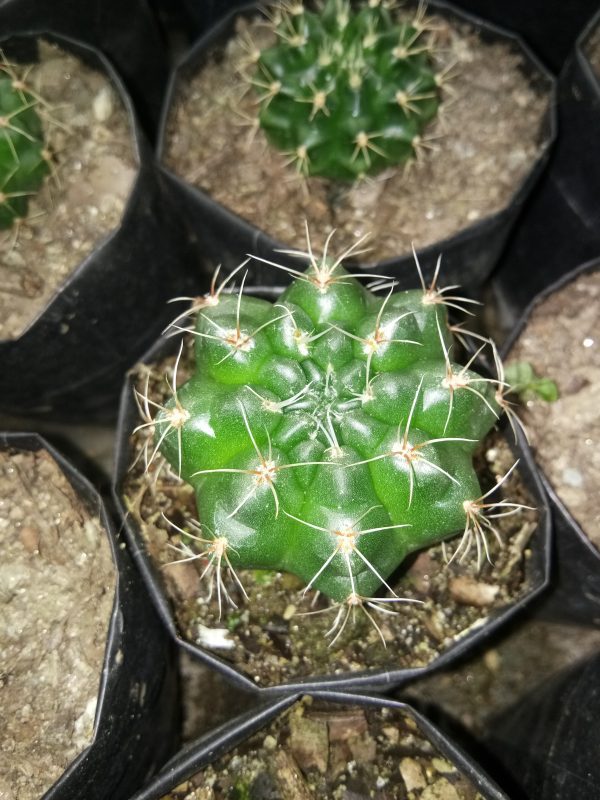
[
  {"x": 72, "y": 357},
  {"x": 137, "y": 713},
  {"x": 124, "y": 30},
  {"x": 560, "y": 226},
  {"x": 469, "y": 256},
  {"x": 549, "y": 26},
  {"x": 575, "y": 595},
  {"x": 389, "y": 677},
  {"x": 209, "y": 748},
  {"x": 548, "y": 743}
]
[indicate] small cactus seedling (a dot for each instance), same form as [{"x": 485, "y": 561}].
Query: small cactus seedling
[
  {"x": 526, "y": 384},
  {"x": 328, "y": 435},
  {"x": 23, "y": 157},
  {"x": 345, "y": 92}
]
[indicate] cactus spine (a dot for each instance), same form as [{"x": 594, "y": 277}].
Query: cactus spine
[
  {"x": 346, "y": 92},
  {"x": 331, "y": 434},
  {"x": 23, "y": 158}
]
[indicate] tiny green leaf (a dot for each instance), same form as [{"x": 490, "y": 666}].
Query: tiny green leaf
[
  {"x": 524, "y": 382},
  {"x": 546, "y": 389}
]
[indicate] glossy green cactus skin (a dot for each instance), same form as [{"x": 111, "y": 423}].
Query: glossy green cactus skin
[
  {"x": 346, "y": 93},
  {"x": 22, "y": 163},
  {"x": 328, "y": 435}
]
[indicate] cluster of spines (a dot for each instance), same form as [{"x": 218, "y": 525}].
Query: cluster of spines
[
  {"x": 265, "y": 469},
  {"x": 24, "y": 156},
  {"x": 346, "y": 93}
]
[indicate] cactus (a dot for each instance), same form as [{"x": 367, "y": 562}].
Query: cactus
[
  {"x": 328, "y": 435},
  {"x": 23, "y": 156},
  {"x": 346, "y": 93}
]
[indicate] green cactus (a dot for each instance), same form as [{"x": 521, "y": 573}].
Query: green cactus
[
  {"x": 328, "y": 435},
  {"x": 346, "y": 93},
  {"x": 23, "y": 161}
]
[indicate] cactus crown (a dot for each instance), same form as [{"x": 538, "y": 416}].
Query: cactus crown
[
  {"x": 329, "y": 434},
  {"x": 346, "y": 92},
  {"x": 23, "y": 161}
]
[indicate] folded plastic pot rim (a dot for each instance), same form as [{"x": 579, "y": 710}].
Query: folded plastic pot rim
[
  {"x": 67, "y": 783},
  {"x": 208, "y": 748},
  {"x": 582, "y": 59},
  {"x": 125, "y": 30},
  {"x": 72, "y": 357},
  {"x": 369, "y": 679},
  {"x": 560, "y": 225},
  {"x": 564, "y": 280},
  {"x": 545, "y": 740},
  {"x": 550, "y": 25},
  {"x": 579, "y": 560},
  {"x": 138, "y": 141},
  {"x": 469, "y": 255}
]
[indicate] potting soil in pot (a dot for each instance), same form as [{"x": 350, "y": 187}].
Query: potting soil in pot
[
  {"x": 274, "y": 637},
  {"x": 562, "y": 342},
  {"x": 92, "y": 170},
  {"x": 316, "y": 751},
  {"x": 56, "y": 594},
  {"x": 485, "y": 140}
]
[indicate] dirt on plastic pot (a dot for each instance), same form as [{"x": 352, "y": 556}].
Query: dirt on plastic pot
[
  {"x": 547, "y": 742},
  {"x": 290, "y": 650},
  {"x": 136, "y": 714},
  {"x": 326, "y": 744},
  {"x": 549, "y": 26},
  {"x": 471, "y": 246},
  {"x": 560, "y": 226},
  {"x": 124, "y": 30},
  {"x": 558, "y": 335},
  {"x": 71, "y": 358}
]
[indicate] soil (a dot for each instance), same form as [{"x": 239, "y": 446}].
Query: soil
[
  {"x": 486, "y": 139},
  {"x": 56, "y": 591},
  {"x": 93, "y": 168},
  {"x": 268, "y": 638},
  {"x": 562, "y": 341},
  {"x": 316, "y": 750},
  {"x": 592, "y": 51}
]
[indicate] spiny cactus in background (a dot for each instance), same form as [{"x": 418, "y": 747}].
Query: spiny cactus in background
[
  {"x": 23, "y": 155},
  {"x": 346, "y": 92},
  {"x": 328, "y": 435}
]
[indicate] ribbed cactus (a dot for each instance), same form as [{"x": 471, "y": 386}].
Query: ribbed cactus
[
  {"x": 346, "y": 92},
  {"x": 328, "y": 435},
  {"x": 23, "y": 165}
]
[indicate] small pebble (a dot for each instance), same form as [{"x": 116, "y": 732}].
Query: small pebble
[
  {"x": 440, "y": 790},
  {"x": 30, "y": 538},
  {"x": 443, "y": 766},
  {"x": 572, "y": 477},
  {"x": 470, "y": 592},
  {"x": 102, "y": 105},
  {"x": 492, "y": 660},
  {"x": 412, "y": 774}
]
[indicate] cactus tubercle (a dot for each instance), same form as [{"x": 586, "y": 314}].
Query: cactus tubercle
[{"x": 329, "y": 434}]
